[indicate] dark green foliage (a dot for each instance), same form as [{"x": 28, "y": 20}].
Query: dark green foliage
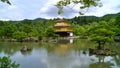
[
  {"x": 40, "y": 36},
  {"x": 24, "y": 29},
  {"x": 27, "y": 29},
  {"x": 5, "y": 62},
  {"x": 9, "y": 30},
  {"x": 118, "y": 19},
  {"x": 30, "y": 28},
  {"x": 1, "y": 32},
  {"x": 83, "y": 20},
  {"x": 19, "y": 35},
  {"x": 79, "y": 30},
  {"x": 6, "y": 1},
  {"x": 108, "y": 17},
  {"x": 50, "y": 33},
  {"x": 102, "y": 32},
  {"x": 26, "y": 21},
  {"x": 117, "y": 23}
]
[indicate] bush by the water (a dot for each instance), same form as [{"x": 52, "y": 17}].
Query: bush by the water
[{"x": 6, "y": 62}]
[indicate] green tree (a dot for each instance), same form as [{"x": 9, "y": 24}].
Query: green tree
[
  {"x": 5, "y": 62},
  {"x": 101, "y": 32},
  {"x": 9, "y": 30},
  {"x": 26, "y": 21},
  {"x": 50, "y": 33},
  {"x": 79, "y": 30},
  {"x": 1, "y": 32},
  {"x": 27, "y": 29},
  {"x": 33, "y": 33},
  {"x": 19, "y": 35},
  {"x": 117, "y": 23}
]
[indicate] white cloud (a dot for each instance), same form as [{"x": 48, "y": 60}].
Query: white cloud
[
  {"x": 45, "y": 8},
  {"x": 21, "y": 9},
  {"x": 109, "y": 7},
  {"x": 49, "y": 10}
]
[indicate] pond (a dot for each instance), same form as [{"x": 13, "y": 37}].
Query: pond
[{"x": 60, "y": 55}]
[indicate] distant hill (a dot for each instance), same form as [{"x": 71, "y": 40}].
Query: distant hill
[
  {"x": 82, "y": 20},
  {"x": 89, "y": 19},
  {"x": 109, "y": 16},
  {"x": 38, "y": 19}
]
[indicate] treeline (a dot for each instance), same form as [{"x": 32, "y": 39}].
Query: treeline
[
  {"x": 39, "y": 28},
  {"x": 83, "y": 20},
  {"x": 98, "y": 29},
  {"x": 25, "y": 29}
]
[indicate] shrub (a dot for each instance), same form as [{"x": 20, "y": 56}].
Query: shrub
[{"x": 5, "y": 62}]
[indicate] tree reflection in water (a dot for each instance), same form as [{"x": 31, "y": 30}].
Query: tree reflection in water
[
  {"x": 101, "y": 63},
  {"x": 11, "y": 48},
  {"x": 117, "y": 57},
  {"x": 26, "y": 53},
  {"x": 59, "y": 55}
]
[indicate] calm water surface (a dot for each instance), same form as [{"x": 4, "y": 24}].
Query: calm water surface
[{"x": 59, "y": 55}]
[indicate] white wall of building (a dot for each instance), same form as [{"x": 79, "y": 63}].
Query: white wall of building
[{"x": 71, "y": 33}]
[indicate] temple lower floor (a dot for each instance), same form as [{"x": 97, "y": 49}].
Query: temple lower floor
[{"x": 65, "y": 34}]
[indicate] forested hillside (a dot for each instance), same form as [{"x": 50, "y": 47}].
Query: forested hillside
[
  {"x": 43, "y": 27},
  {"x": 90, "y": 19}
]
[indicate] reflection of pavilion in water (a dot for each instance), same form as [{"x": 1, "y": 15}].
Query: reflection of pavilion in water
[{"x": 66, "y": 41}]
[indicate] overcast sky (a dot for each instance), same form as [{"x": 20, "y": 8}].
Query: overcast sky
[{"x": 27, "y": 9}]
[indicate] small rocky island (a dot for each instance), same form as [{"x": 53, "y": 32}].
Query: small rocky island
[
  {"x": 105, "y": 52},
  {"x": 25, "y": 49}
]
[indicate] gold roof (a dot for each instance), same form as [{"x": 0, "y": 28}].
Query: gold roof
[
  {"x": 62, "y": 26},
  {"x": 61, "y": 23},
  {"x": 63, "y": 29}
]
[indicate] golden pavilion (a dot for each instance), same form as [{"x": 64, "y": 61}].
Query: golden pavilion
[{"x": 63, "y": 28}]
